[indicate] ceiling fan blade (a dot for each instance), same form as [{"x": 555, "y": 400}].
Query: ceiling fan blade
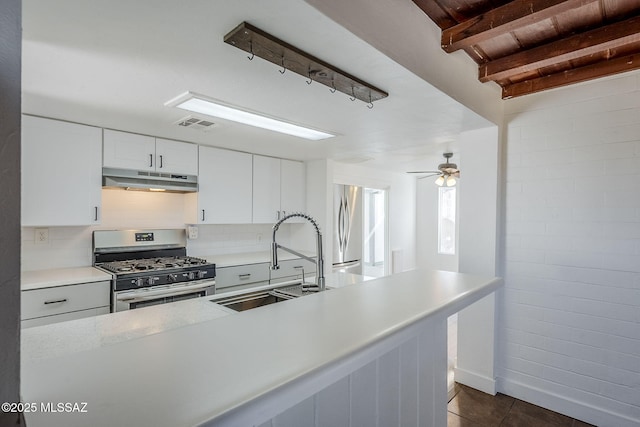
[
  {"x": 430, "y": 175},
  {"x": 431, "y": 172},
  {"x": 457, "y": 174}
]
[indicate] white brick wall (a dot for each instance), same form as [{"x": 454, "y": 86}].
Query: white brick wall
[{"x": 569, "y": 330}]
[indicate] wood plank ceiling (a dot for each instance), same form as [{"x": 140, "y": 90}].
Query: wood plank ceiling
[{"x": 528, "y": 46}]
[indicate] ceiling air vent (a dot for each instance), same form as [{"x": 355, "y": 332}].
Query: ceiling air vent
[{"x": 195, "y": 123}]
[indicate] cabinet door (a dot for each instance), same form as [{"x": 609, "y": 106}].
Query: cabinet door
[
  {"x": 224, "y": 182},
  {"x": 242, "y": 275},
  {"x": 61, "y": 173},
  {"x": 129, "y": 151},
  {"x": 266, "y": 189},
  {"x": 64, "y": 299},
  {"x": 176, "y": 157},
  {"x": 292, "y": 186}
]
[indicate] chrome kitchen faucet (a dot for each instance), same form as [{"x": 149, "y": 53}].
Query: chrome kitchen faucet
[{"x": 319, "y": 261}]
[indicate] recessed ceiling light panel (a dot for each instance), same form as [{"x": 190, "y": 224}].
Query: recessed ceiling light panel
[{"x": 200, "y": 104}]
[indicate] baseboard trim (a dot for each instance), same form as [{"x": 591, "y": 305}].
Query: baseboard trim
[
  {"x": 573, "y": 408},
  {"x": 475, "y": 380}
]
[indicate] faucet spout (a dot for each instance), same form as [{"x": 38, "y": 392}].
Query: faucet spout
[{"x": 319, "y": 259}]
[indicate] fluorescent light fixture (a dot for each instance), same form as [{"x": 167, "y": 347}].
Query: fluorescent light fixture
[{"x": 200, "y": 104}]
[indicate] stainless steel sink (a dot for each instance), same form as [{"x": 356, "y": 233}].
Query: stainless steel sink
[{"x": 250, "y": 300}]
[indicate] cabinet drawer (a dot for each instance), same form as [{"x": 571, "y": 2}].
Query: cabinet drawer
[
  {"x": 293, "y": 267},
  {"x": 241, "y": 274},
  {"x": 64, "y": 299},
  {"x": 47, "y": 320}
]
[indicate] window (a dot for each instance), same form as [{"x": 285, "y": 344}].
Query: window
[
  {"x": 375, "y": 225},
  {"x": 447, "y": 220}
]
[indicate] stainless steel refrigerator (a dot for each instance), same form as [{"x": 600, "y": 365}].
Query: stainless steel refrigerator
[{"x": 347, "y": 226}]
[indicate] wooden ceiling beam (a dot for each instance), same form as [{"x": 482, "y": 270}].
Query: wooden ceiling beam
[
  {"x": 505, "y": 19},
  {"x": 436, "y": 13},
  {"x": 589, "y": 43},
  {"x": 589, "y": 72}
]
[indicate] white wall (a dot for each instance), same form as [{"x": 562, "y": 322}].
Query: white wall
[
  {"x": 570, "y": 317},
  {"x": 477, "y": 255},
  {"x": 402, "y": 206},
  {"x": 72, "y": 246}
]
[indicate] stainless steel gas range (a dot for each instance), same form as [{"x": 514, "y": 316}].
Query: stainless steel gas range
[{"x": 150, "y": 267}]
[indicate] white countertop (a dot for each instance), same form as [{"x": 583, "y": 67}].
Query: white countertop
[
  {"x": 70, "y": 337},
  {"x": 64, "y": 338},
  {"x": 30, "y": 280},
  {"x": 197, "y": 372}
]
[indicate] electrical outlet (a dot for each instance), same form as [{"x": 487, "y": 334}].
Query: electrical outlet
[
  {"x": 42, "y": 236},
  {"x": 192, "y": 232},
  {"x": 259, "y": 237}
]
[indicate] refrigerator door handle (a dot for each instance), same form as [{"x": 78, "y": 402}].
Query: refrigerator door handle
[
  {"x": 347, "y": 227},
  {"x": 345, "y": 264},
  {"x": 340, "y": 226}
]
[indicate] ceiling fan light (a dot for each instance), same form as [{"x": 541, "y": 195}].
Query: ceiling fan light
[
  {"x": 451, "y": 181},
  {"x": 439, "y": 181}
]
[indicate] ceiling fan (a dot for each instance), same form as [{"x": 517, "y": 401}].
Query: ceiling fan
[{"x": 447, "y": 172}]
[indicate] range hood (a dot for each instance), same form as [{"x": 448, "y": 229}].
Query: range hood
[{"x": 148, "y": 181}]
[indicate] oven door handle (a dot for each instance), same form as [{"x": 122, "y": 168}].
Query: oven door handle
[{"x": 166, "y": 292}]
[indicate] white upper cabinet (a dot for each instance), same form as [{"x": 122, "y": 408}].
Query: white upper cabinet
[
  {"x": 146, "y": 153},
  {"x": 278, "y": 188},
  {"x": 61, "y": 173},
  {"x": 224, "y": 182},
  {"x": 129, "y": 151},
  {"x": 266, "y": 189},
  {"x": 176, "y": 157},
  {"x": 292, "y": 187}
]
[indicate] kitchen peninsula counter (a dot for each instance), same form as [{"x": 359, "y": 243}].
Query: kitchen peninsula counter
[{"x": 245, "y": 368}]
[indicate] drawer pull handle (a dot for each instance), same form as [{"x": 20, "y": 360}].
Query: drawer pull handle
[
  {"x": 56, "y": 301},
  {"x": 244, "y": 276},
  {"x": 299, "y": 266}
]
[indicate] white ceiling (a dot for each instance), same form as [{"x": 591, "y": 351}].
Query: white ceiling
[{"x": 115, "y": 63}]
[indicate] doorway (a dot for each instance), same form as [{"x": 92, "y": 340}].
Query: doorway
[{"x": 375, "y": 241}]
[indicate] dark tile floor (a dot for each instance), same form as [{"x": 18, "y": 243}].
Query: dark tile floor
[{"x": 472, "y": 408}]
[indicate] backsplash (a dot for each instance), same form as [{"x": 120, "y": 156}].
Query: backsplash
[{"x": 72, "y": 246}]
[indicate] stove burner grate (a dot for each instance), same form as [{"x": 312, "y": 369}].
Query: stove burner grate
[{"x": 152, "y": 264}]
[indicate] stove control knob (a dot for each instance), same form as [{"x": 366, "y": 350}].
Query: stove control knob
[
  {"x": 191, "y": 275},
  {"x": 151, "y": 281},
  {"x": 139, "y": 281},
  {"x": 201, "y": 274},
  {"x": 172, "y": 278}
]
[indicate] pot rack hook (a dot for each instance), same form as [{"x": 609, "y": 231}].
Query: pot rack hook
[
  {"x": 370, "y": 104},
  {"x": 251, "y": 49},
  {"x": 353, "y": 95},
  {"x": 309, "y": 75},
  {"x": 283, "y": 67}
]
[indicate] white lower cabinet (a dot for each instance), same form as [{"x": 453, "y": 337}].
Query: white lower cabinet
[
  {"x": 293, "y": 269},
  {"x": 247, "y": 276},
  {"x": 60, "y": 303},
  {"x": 241, "y": 276}
]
